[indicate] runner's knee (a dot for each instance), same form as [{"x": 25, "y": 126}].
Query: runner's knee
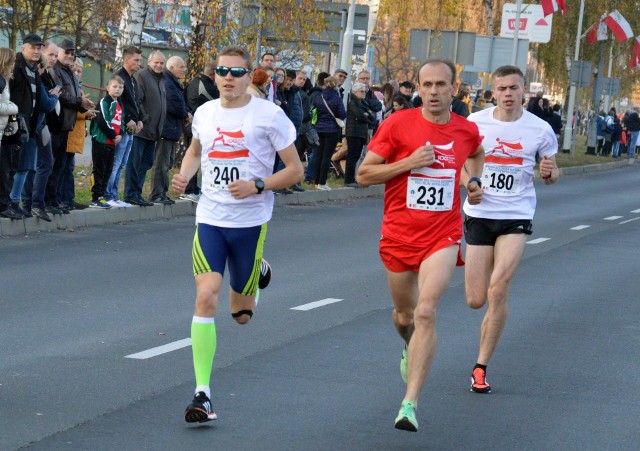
[
  {"x": 476, "y": 300},
  {"x": 498, "y": 293},
  {"x": 206, "y": 302},
  {"x": 425, "y": 313},
  {"x": 404, "y": 318}
]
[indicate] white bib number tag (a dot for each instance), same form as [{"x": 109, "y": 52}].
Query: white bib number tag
[
  {"x": 433, "y": 190},
  {"x": 224, "y": 171},
  {"x": 502, "y": 180}
]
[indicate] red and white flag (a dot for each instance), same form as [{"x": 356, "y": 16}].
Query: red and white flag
[
  {"x": 551, "y": 6},
  {"x": 635, "y": 53},
  {"x": 619, "y": 26},
  {"x": 598, "y": 31}
]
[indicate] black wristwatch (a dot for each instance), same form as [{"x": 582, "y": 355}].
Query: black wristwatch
[
  {"x": 475, "y": 179},
  {"x": 259, "y": 185}
]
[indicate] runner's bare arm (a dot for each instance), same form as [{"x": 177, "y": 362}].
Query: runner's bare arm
[
  {"x": 291, "y": 174},
  {"x": 468, "y": 170},
  {"x": 190, "y": 165},
  {"x": 473, "y": 168},
  {"x": 374, "y": 169},
  {"x": 549, "y": 170}
]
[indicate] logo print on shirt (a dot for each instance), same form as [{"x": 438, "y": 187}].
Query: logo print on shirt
[
  {"x": 505, "y": 152},
  {"x": 117, "y": 117},
  {"x": 445, "y": 156},
  {"x": 229, "y": 144}
]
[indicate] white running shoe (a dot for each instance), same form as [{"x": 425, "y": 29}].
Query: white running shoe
[
  {"x": 191, "y": 197},
  {"x": 113, "y": 203},
  {"x": 323, "y": 187},
  {"x": 123, "y": 204}
]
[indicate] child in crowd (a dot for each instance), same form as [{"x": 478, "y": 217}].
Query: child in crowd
[{"x": 106, "y": 133}]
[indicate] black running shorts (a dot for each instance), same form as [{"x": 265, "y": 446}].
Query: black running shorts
[{"x": 485, "y": 232}]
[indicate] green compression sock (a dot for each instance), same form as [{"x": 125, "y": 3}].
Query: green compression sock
[{"x": 203, "y": 345}]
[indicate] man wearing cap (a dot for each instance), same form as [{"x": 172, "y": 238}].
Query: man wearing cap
[
  {"x": 71, "y": 101},
  {"x": 406, "y": 89},
  {"x": 341, "y": 75},
  {"x": 25, "y": 86}
]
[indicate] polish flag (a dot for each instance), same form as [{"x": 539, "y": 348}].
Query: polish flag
[
  {"x": 619, "y": 26},
  {"x": 598, "y": 31},
  {"x": 551, "y": 6},
  {"x": 635, "y": 54}
]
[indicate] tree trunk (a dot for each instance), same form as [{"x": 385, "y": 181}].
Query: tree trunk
[
  {"x": 488, "y": 8},
  {"x": 197, "y": 51},
  {"x": 131, "y": 25}
]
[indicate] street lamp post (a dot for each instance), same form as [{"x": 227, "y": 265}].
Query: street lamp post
[{"x": 568, "y": 130}]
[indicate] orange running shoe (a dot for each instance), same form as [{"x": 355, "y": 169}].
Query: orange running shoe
[{"x": 479, "y": 381}]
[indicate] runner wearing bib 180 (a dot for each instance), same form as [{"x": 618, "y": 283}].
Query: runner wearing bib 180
[
  {"x": 235, "y": 140},
  {"x": 418, "y": 154},
  {"x": 496, "y": 229}
]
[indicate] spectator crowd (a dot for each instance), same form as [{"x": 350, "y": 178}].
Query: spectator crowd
[{"x": 146, "y": 114}]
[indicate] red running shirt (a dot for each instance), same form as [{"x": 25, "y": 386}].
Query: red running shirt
[{"x": 424, "y": 206}]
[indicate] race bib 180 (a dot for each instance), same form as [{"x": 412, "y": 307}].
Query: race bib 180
[{"x": 502, "y": 180}]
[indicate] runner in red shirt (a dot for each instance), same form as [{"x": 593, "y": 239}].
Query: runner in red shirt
[{"x": 418, "y": 154}]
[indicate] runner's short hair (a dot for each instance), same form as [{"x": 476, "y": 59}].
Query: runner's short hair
[
  {"x": 446, "y": 62},
  {"x": 236, "y": 50},
  {"x": 504, "y": 71}
]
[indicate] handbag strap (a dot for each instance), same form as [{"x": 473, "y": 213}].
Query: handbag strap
[{"x": 325, "y": 104}]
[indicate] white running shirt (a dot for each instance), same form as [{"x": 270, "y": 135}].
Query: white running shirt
[
  {"x": 510, "y": 157},
  {"x": 238, "y": 143}
]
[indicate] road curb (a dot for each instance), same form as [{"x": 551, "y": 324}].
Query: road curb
[
  {"x": 590, "y": 168},
  {"x": 96, "y": 217},
  {"x": 93, "y": 217}
]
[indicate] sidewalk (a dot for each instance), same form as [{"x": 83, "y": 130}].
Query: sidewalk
[
  {"x": 95, "y": 217},
  {"x": 92, "y": 217}
]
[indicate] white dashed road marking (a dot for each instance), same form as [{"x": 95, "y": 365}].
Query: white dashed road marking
[
  {"x": 612, "y": 218},
  {"x": 580, "y": 227},
  {"x": 153, "y": 352},
  {"x": 629, "y": 220},
  {"x": 635, "y": 211},
  {"x": 538, "y": 240},
  {"x": 316, "y": 304}
]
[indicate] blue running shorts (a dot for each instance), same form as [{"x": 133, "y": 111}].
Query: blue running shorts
[{"x": 241, "y": 248}]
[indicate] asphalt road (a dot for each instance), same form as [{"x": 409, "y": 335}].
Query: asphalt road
[{"x": 73, "y": 306}]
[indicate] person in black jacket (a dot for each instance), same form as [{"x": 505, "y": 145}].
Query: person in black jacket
[
  {"x": 555, "y": 120},
  {"x": 199, "y": 91},
  {"x": 177, "y": 114},
  {"x": 59, "y": 194},
  {"x": 24, "y": 83},
  {"x": 132, "y": 58},
  {"x": 616, "y": 136},
  {"x": 631, "y": 123},
  {"x": 370, "y": 99},
  {"x": 35, "y": 186},
  {"x": 359, "y": 117}
]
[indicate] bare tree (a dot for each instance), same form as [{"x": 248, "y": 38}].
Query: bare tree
[{"x": 131, "y": 25}]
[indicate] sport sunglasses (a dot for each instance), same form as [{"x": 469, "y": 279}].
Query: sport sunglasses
[{"x": 236, "y": 72}]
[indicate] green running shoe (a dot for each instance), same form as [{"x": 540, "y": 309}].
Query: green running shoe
[
  {"x": 403, "y": 365},
  {"x": 406, "y": 419}
]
